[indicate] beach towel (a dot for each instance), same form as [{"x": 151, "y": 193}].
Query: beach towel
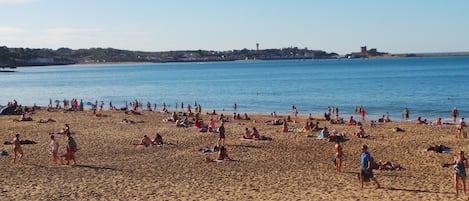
[
  {"x": 21, "y": 142},
  {"x": 262, "y": 138}
]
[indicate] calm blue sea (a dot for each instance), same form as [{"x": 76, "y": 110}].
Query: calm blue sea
[{"x": 429, "y": 87}]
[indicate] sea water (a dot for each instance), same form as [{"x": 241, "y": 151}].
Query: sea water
[{"x": 429, "y": 87}]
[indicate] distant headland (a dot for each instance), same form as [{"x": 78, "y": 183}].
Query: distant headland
[{"x": 13, "y": 57}]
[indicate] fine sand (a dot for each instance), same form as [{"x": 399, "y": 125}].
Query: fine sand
[{"x": 290, "y": 167}]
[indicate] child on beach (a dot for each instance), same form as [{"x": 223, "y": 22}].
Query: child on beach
[
  {"x": 55, "y": 150},
  {"x": 17, "y": 148}
]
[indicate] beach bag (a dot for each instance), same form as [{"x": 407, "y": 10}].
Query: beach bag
[{"x": 334, "y": 159}]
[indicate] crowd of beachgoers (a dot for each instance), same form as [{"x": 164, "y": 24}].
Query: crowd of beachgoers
[{"x": 328, "y": 127}]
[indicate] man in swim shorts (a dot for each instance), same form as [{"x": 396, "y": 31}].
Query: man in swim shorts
[{"x": 366, "y": 171}]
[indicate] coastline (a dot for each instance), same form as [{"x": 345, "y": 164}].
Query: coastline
[{"x": 291, "y": 166}]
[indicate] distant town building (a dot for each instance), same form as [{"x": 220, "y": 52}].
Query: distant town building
[{"x": 364, "y": 53}]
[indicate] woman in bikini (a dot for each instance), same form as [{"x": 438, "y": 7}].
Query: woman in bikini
[{"x": 460, "y": 165}]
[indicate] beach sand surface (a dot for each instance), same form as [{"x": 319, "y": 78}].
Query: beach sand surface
[{"x": 290, "y": 167}]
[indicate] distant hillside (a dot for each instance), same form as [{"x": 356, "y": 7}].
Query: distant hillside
[{"x": 64, "y": 56}]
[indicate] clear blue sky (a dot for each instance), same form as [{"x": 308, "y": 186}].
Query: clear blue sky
[{"x": 341, "y": 26}]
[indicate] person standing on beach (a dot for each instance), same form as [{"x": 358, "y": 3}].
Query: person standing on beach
[
  {"x": 460, "y": 165},
  {"x": 339, "y": 154},
  {"x": 71, "y": 149},
  {"x": 363, "y": 114},
  {"x": 406, "y": 113},
  {"x": 221, "y": 135},
  {"x": 17, "y": 148},
  {"x": 366, "y": 171},
  {"x": 454, "y": 114},
  {"x": 55, "y": 150}
]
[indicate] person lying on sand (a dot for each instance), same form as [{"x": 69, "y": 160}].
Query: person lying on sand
[
  {"x": 397, "y": 129},
  {"x": 389, "y": 165},
  {"x": 65, "y": 130},
  {"x": 133, "y": 112},
  {"x": 101, "y": 115},
  {"x": 437, "y": 148},
  {"x": 128, "y": 121},
  {"x": 46, "y": 120},
  {"x": 23, "y": 118}
]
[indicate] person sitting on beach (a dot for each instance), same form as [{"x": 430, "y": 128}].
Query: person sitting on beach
[
  {"x": 223, "y": 118},
  {"x": 372, "y": 123},
  {"x": 420, "y": 121},
  {"x": 146, "y": 141},
  {"x": 247, "y": 134},
  {"x": 306, "y": 128},
  {"x": 352, "y": 121},
  {"x": 211, "y": 125},
  {"x": 438, "y": 122},
  {"x": 246, "y": 117},
  {"x": 179, "y": 123},
  {"x": 337, "y": 120},
  {"x": 315, "y": 127},
  {"x": 213, "y": 112},
  {"x": 158, "y": 140},
  {"x": 235, "y": 116},
  {"x": 382, "y": 119},
  {"x": 284, "y": 127},
  {"x": 197, "y": 123},
  {"x": 255, "y": 133},
  {"x": 324, "y": 133},
  {"x": 361, "y": 133},
  {"x": 223, "y": 154},
  {"x": 46, "y": 120}
]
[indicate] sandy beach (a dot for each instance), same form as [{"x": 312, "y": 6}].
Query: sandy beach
[{"x": 290, "y": 167}]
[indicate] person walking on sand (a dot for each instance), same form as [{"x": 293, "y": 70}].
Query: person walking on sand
[
  {"x": 460, "y": 165},
  {"x": 17, "y": 148},
  {"x": 366, "y": 172},
  {"x": 339, "y": 154},
  {"x": 55, "y": 150},
  {"x": 71, "y": 149}
]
